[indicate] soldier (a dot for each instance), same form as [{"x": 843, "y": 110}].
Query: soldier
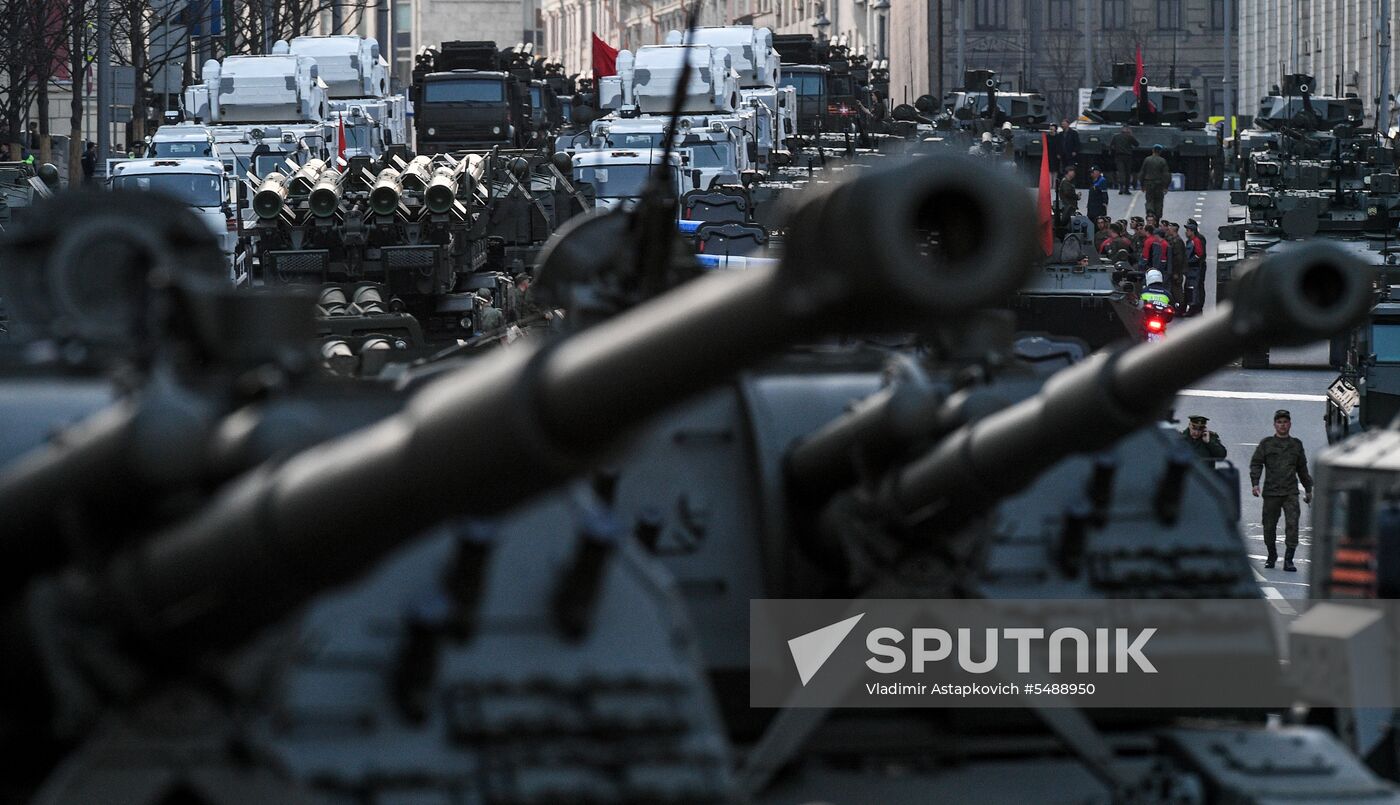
[
  {"x": 1121, "y": 146},
  {"x": 1156, "y": 177},
  {"x": 489, "y": 318},
  {"x": 1281, "y": 458},
  {"x": 1069, "y": 197},
  {"x": 1205, "y": 443}
]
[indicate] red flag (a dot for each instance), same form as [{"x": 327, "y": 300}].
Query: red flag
[
  {"x": 1140, "y": 84},
  {"x": 1047, "y": 224},
  {"x": 604, "y": 58},
  {"x": 340, "y": 149}
]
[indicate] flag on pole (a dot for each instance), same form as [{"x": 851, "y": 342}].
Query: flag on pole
[
  {"x": 604, "y": 59},
  {"x": 1140, "y": 84},
  {"x": 1047, "y": 224}
]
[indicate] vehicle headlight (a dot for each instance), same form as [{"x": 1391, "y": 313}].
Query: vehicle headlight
[
  {"x": 495, "y": 129},
  {"x": 431, "y": 131}
]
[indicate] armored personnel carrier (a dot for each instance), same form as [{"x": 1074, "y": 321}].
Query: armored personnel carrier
[
  {"x": 1166, "y": 116},
  {"x": 269, "y": 590}
]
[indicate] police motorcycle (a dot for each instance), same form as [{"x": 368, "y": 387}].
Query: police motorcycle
[{"x": 1157, "y": 308}]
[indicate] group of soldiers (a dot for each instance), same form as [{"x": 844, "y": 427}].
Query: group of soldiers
[
  {"x": 1155, "y": 178},
  {"x": 1277, "y": 468},
  {"x": 1178, "y": 252}
]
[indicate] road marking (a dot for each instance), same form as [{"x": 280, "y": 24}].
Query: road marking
[
  {"x": 1252, "y": 395},
  {"x": 1280, "y": 603},
  {"x": 1249, "y": 444}
]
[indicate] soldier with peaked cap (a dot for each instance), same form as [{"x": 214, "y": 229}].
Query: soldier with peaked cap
[
  {"x": 1282, "y": 462},
  {"x": 1205, "y": 443}
]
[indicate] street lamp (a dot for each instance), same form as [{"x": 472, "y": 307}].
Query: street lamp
[{"x": 822, "y": 25}]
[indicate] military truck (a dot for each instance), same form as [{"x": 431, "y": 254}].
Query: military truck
[
  {"x": 1166, "y": 116},
  {"x": 832, "y": 97},
  {"x": 358, "y": 91},
  {"x": 472, "y": 96}
]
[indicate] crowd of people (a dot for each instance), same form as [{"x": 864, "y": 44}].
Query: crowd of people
[{"x": 1149, "y": 243}]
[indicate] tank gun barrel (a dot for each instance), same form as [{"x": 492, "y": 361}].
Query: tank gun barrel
[
  {"x": 279, "y": 534},
  {"x": 271, "y": 196},
  {"x": 1299, "y": 296}
]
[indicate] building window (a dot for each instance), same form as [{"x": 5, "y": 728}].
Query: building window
[
  {"x": 989, "y": 14},
  {"x": 1217, "y": 14},
  {"x": 1061, "y": 14},
  {"x": 1168, "y": 14},
  {"x": 1115, "y": 15}
]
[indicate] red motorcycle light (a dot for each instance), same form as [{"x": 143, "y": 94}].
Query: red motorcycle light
[{"x": 1155, "y": 325}]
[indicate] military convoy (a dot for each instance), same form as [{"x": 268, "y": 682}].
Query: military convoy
[
  {"x": 1315, "y": 181},
  {"x": 519, "y": 576}
]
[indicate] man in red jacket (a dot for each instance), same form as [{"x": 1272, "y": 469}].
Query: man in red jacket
[{"x": 1195, "y": 268}]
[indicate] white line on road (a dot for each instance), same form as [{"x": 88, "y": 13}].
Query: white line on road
[
  {"x": 1280, "y": 603},
  {"x": 1252, "y": 395}
]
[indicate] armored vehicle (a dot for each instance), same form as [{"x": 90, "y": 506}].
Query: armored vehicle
[
  {"x": 1295, "y": 111},
  {"x": 1077, "y": 294},
  {"x": 1340, "y": 186},
  {"x": 1367, "y": 392},
  {"x": 985, "y": 104},
  {"x": 1165, "y": 116},
  {"x": 564, "y": 631},
  {"x": 20, "y": 182}
]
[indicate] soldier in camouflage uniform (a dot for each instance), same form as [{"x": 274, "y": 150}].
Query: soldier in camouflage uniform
[
  {"x": 1281, "y": 459},
  {"x": 1205, "y": 443},
  {"x": 488, "y": 317}
]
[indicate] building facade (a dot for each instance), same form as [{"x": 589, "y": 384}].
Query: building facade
[{"x": 1337, "y": 42}]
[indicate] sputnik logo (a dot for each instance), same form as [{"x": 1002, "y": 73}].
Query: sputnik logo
[{"x": 811, "y": 651}]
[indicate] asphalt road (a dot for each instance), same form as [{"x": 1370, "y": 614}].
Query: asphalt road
[{"x": 1241, "y": 403}]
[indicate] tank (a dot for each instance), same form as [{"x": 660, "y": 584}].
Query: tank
[
  {"x": 1337, "y": 184},
  {"x": 1294, "y": 106},
  {"x": 987, "y": 104},
  {"x": 1171, "y": 118},
  {"x": 385, "y": 612}
]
